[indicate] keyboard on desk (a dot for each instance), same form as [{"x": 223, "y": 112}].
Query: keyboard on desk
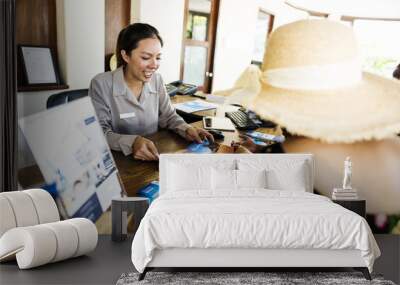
[{"x": 242, "y": 120}]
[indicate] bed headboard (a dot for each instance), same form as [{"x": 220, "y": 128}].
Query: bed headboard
[{"x": 232, "y": 161}]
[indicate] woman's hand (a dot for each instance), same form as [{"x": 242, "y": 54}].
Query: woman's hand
[
  {"x": 248, "y": 143},
  {"x": 234, "y": 148},
  {"x": 144, "y": 149},
  {"x": 198, "y": 135}
]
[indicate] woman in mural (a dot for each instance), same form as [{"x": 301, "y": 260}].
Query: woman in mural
[
  {"x": 396, "y": 72},
  {"x": 311, "y": 84},
  {"x": 131, "y": 101}
]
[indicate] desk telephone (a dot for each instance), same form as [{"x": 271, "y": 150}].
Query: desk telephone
[{"x": 178, "y": 87}]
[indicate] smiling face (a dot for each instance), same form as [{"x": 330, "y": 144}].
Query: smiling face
[{"x": 144, "y": 60}]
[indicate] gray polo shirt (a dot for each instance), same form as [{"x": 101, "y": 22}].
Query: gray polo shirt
[{"x": 122, "y": 117}]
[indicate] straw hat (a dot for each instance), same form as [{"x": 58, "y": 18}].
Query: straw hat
[{"x": 312, "y": 84}]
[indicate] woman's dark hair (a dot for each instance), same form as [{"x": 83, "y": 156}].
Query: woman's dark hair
[
  {"x": 129, "y": 37},
  {"x": 396, "y": 72}
]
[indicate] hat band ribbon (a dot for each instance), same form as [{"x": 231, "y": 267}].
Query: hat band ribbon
[{"x": 315, "y": 77}]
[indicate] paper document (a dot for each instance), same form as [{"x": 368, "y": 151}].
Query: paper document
[
  {"x": 216, "y": 123},
  {"x": 194, "y": 106},
  {"x": 72, "y": 153}
]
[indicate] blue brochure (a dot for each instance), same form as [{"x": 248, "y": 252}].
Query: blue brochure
[
  {"x": 150, "y": 191},
  {"x": 266, "y": 137},
  {"x": 199, "y": 147}
]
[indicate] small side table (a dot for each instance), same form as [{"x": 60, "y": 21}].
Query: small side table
[
  {"x": 120, "y": 208},
  {"x": 357, "y": 206}
]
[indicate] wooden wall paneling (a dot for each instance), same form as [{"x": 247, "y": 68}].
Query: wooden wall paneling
[
  {"x": 212, "y": 35},
  {"x": 185, "y": 19},
  {"x": 116, "y": 18},
  {"x": 36, "y": 22}
]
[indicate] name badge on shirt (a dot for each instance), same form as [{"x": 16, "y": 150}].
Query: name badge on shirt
[{"x": 127, "y": 115}]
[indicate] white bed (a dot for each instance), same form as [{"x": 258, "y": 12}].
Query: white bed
[{"x": 213, "y": 212}]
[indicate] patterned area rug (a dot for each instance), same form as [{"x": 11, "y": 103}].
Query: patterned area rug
[{"x": 242, "y": 278}]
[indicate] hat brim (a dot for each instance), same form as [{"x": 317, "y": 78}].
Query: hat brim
[{"x": 369, "y": 110}]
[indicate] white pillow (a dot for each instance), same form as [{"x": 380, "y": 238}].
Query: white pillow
[
  {"x": 223, "y": 179},
  {"x": 290, "y": 177},
  {"x": 251, "y": 178},
  {"x": 231, "y": 180},
  {"x": 185, "y": 177},
  {"x": 282, "y": 174}
]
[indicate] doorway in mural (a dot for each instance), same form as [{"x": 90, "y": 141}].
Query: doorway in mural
[{"x": 199, "y": 32}]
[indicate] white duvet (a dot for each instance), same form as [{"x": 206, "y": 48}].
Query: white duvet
[{"x": 250, "y": 219}]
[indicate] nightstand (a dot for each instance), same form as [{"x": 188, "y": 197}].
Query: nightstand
[
  {"x": 120, "y": 208},
  {"x": 357, "y": 206}
]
